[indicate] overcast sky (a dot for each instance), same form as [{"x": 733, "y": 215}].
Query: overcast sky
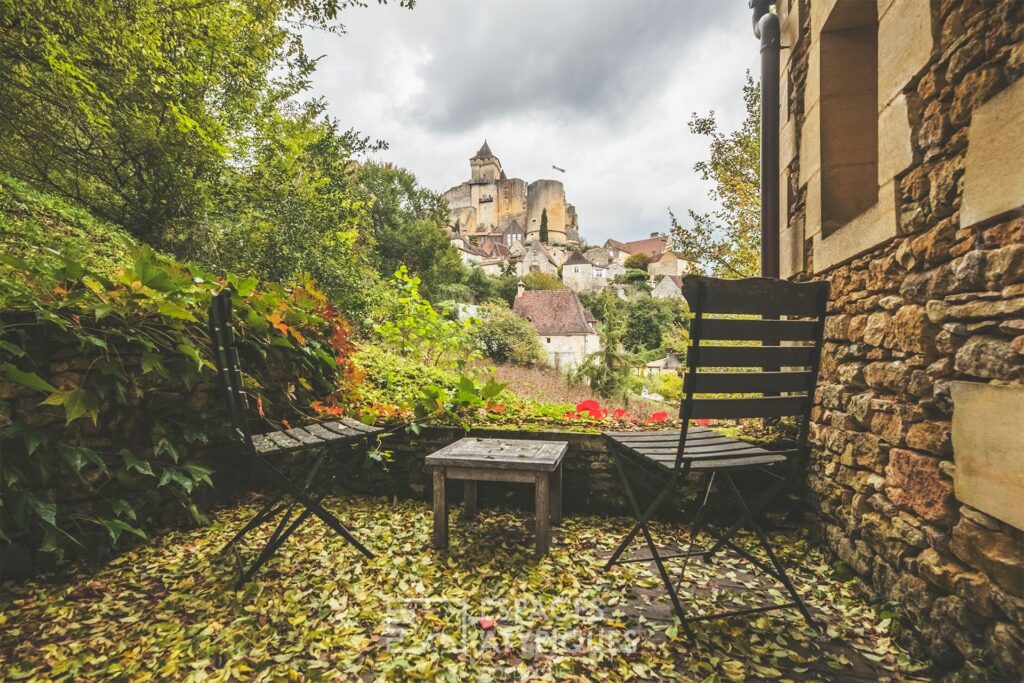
[{"x": 601, "y": 88}]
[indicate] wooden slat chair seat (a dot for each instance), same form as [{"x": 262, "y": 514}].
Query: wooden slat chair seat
[
  {"x": 297, "y": 499},
  {"x": 768, "y": 368},
  {"x": 321, "y": 434}
]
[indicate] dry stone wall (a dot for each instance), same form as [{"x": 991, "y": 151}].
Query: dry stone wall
[{"x": 939, "y": 303}]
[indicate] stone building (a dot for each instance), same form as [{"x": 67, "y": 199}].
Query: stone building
[
  {"x": 565, "y": 327},
  {"x": 651, "y": 247},
  {"x": 901, "y": 145},
  {"x": 669, "y": 263},
  {"x": 490, "y": 202},
  {"x": 536, "y": 259},
  {"x": 670, "y": 287}
]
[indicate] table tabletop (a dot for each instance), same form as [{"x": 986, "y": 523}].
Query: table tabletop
[{"x": 506, "y": 454}]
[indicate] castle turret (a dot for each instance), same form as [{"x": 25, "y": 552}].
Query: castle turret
[
  {"x": 541, "y": 196},
  {"x": 484, "y": 166}
]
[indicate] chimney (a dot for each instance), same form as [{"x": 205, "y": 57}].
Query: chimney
[{"x": 520, "y": 288}]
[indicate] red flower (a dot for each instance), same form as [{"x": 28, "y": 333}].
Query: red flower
[
  {"x": 496, "y": 407},
  {"x": 589, "y": 405},
  {"x": 620, "y": 414},
  {"x": 703, "y": 422},
  {"x": 660, "y": 416}
]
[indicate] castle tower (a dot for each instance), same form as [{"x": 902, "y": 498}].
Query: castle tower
[
  {"x": 484, "y": 166},
  {"x": 546, "y": 195}
]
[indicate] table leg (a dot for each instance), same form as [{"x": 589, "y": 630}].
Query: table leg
[
  {"x": 556, "y": 495},
  {"x": 542, "y": 495},
  {"x": 470, "y": 498},
  {"x": 440, "y": 510}
]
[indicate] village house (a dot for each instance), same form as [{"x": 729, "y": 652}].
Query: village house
[
  {"x": 902, "y": 184},
  {"x": 669, "y": 287},
  {"x": 536, "y": 259},
  {"x": 669, "y": 263},
  {"x": 651, "y": 247},
  {"x": 566, "y": 328}
]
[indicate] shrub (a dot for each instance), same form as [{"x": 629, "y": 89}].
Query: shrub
[
  {"x": 507, "y": 338},
  {"x": 107, "y": 388}
]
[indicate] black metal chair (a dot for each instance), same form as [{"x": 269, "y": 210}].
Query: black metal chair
[
  {"x": 730, "y": 382},
  {"x": 262, "y": 448}
]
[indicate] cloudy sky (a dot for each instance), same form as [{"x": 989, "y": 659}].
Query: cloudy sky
[{"x": 601, "y": 88}]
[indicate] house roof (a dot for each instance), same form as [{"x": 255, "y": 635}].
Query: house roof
[
  {"x": 677, "y": 280},
  {"x": 553, "y": 312},
  {"x": 576, "y": 258},
  {"x": 484, "y": 152},
  {"x": 514, "y": 228},
  {"x": 653, "y": 247},
  {"x": 621, "y": 246}
]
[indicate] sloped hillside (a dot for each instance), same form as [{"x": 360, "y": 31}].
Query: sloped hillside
[{"x": 32, "y": 221}]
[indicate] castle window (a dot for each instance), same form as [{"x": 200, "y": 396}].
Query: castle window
[{"x": 849, "y": 114}]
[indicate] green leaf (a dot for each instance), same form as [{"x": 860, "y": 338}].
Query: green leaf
[
  {"x": 76, "y": 402},
  {"x": 173, "y": 310},
  {"x": 244, "y": 286},
  {"x": 123, "y": 508},
  {"x": 115, "y": 527},
  {"x": 491, "y": 389},
  {"x": 12, "y": 349},
  {"x": 46, "y": 511},
  {"x": 134, "y": 463},
  {"x": 28, "y": 379}
]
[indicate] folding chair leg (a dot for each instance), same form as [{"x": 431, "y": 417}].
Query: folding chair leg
[
  {"x": 266, "y": 512},
  {"x": 782, "y": 576},
  {"x": 747, "y": 516},
  {"x": 699, "y": 522},
  {"x": 659, "y": 500}
]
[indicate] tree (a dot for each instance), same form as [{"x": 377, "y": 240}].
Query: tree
[
  {"x": 643, "y": 325},
  {"x": 637, "y": 261},
  {"x": 607, "y": 369},
  {"x": 408, "y": 226},
  {"x": 504, "y": 337},
  {"x": 544, "y": 226},
  {"x": 727, "y": 241}
]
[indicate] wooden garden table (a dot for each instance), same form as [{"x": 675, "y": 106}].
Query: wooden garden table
[{"x": 516, "y": 460}]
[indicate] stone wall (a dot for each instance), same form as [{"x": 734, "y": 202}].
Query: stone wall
[{"x": 942, "y": 301}]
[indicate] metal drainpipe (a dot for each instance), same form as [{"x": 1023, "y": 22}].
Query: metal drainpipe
[{"x": 766, "y": 27}]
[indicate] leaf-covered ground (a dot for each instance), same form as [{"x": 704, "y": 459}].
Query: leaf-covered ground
[{"x": 486, "y": 609}]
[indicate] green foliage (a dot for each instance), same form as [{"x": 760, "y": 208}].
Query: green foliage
[
  {"x": 131, "y": 337},
  {"x": 669, "y": 385},
  {"x": 407, "y": 324},
  {"x": 544, "y": 226},
  {"x": 138, "y": 110},
  {"x": 607, "y": 370},
  {"x": 639, "y": 279},
  {"x": 408, "y": 224},
  {"x": 637, "y": 262},
  {"x": 643, "y": 325},
  {"x": 32, "y": 222},
  {"x": 507, "y": 286},
  {"x": 728, "y": 241},
  {"x": 507, "y": 338}
]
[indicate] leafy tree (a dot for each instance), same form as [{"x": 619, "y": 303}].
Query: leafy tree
[
  {"x": 607, "y": 369},
  {"x": 637, "y": 262},
  {"x": 507, "y": 338},
  {"x": 643, "y": 325},
  {"x": 544, "y": 226},
  {"x": 507, "y": 286},
  {"x": 408, "y": 225},
  {"x": 727, "y": 241}
]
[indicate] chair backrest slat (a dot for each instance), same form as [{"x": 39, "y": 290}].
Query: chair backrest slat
[
  {"x": 755, "y": 296},
  {"x": 749, "y": 329},
  {"x": 755, "y": 356},
  {"x": 772, "y": 371},
  {"x": 735, "y": 408},
  {"x": 229, "y": 369},
  {"x": 745, "y": 382}
]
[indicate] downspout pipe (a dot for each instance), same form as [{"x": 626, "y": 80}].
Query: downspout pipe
[{"x": 766, "y": 27}]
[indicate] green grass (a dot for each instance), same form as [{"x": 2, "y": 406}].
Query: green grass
[{"x": 32, "y": 222}]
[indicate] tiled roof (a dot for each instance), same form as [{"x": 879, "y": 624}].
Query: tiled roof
[
  {"x": 484, "y": 152},
  {"x": 576, "y": 258},
  {"x": 652, "y": 246},
  {"x": 553, "y": 312}
]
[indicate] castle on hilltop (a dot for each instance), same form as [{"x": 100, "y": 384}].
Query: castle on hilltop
[{"x": 506, "y": 210}]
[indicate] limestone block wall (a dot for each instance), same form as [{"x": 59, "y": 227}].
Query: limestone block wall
[
  {"x": 568, "y": 351},
  {"x": 935, "y": 296},
  {"x": 546, "y": 195}
]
